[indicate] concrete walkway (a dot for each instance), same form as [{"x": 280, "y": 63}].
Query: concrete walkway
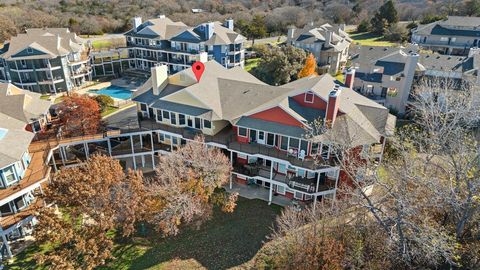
[{"x": 258, "y": 192}]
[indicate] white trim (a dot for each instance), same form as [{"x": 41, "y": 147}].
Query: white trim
[{"x": 305, "y": 97}]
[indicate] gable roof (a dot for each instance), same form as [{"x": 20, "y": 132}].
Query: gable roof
[
  {"x": 17, "y": 109},
  {"x": 166, "y": 29},
  {"x": 452, "y": 26},
  {"x": 309, "y": 35},
  {"x": 234, "y": 94},
  {"x": 47, "y": 43}
]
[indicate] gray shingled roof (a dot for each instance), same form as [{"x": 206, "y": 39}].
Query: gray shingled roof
[
  {"x": 446, "y": 27},
  {"x": 17, "y": 108},
  {"x": 46, "y": 43},
  {"x": 166, "y": 29},
  {"x": 277, "y": 128},
  {"x": 233, "y": 94},
  {"x": 309, "y": 35}
]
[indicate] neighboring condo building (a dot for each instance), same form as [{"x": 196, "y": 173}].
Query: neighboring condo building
[
  {"x": 454, "y": 35},
  {"x": 48, "y": 60},
  {"x": 384, "y": 74},
  {"x": 329, "y": 44},
  {"x": 174, "y": 44},
  {"x": 22, "y": 170}
]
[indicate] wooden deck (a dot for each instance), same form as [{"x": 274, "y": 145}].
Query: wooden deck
[{"x": 8, "y": 221}]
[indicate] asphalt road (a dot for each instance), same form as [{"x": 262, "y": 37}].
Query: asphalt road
[{"x": 123, "y": 120}]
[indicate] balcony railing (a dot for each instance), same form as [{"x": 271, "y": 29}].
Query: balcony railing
[{"x": 293, "y": 181}]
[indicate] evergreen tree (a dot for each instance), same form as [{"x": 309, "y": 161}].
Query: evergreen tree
[{"x": 385, "y": 17}]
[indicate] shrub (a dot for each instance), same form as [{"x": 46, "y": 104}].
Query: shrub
[{"x": 104, "y": 101}]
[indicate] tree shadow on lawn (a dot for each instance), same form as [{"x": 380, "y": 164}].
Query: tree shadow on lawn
[
  {"x": 368, "y": 35},
  {"x": 227, "y": 240}
]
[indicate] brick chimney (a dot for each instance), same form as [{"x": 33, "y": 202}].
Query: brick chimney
[
  {"x": 349, "y": 77},
  {"x": 332, "y": 106},
  {"x": 159, "y": 78}
]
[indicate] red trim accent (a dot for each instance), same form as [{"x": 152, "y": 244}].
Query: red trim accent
[
  {"x": 277, "y": 115},
  {"x": 318, "y": 103}
]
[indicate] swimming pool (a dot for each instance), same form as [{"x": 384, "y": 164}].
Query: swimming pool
[{"x": 114, "y": 91}]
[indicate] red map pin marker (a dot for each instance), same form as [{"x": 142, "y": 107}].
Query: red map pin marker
[{"x": 198, "y": 69}]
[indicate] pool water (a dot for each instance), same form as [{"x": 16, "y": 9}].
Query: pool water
[{"x": 114, "y": 91}]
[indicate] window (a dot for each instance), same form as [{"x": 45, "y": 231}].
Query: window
[
  {"x": 161, "y": 137},
  {"x": 293, "y": 143},
  {"x": 143, "y": 107},
  {"x": 189, "y": 122},
  {"x": 298, "y": 196},
  {"x": 166, "y": 114},
  {"x": 282, "y": 168},
  {"x": 173, "y": 118},
  {"x": 309, "y": 97},
  {"x": 23, "y": 63},
  {"x": 304, "y": 146},
  {"x": 9, "y": 175},
  {"x": 19, "y": 203},
  {"x": 29, "y": 50},
  {"x": 314, "y": 150},
  {"x": 159, "y": 116},
  {"x": 198, "y": 123},
  {"x": 242, "y": 132},
  {"x": 207, "y": 124},
  {"x": 270, "y": 139},
  {"x": 181, "y": 119},
  {"x": 281, "y": 190},
  {"x": 284, "y": 145}
]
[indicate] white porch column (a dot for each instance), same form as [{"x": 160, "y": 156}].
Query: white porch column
[
  {"x": 316, "y": 190},
  {"x": 85, "y": 148},
  {"x": 231, "y": 163},
  {"x": 131, "y": 144},
  {"x": 63, "y": 155},
  {"x": 336, "y": 184},
  {"x": 109, "y": 147},
  {"x": 7, "y": 246},
  {"x": 151, "y": 141},
  {"x": 270, "y": 193},
  {"x": 143, "y": 161},
  {"x": 54, "y": 163}
]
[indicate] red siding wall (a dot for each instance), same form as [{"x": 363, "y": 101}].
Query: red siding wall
[
  {"x": 240, "y": 138},
  {"x": 318, "y": 103},
  {"x": 277, "y": 115}
]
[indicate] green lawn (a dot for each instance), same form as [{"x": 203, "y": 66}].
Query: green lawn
[
  {"x": 109, "y": 110},
  {"x": 369, "y": 39},
  {"x": 102, "y": 44},
  {"x": 227, "y": 240},
  {"x": 251, "y": 63}
]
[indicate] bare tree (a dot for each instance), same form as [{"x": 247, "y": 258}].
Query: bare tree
[
  {"x": 183, "y": 190},
  {"x": 422, "y": 201}
]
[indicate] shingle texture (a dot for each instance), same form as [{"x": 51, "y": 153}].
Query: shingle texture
[{"x": 234, "y": 95}]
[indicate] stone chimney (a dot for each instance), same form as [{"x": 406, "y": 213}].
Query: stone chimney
[
  {"x": 349, "y": 77},
  {"x": 332, "y": 106},
  {"x": 159, "y": 78},
  {"x": 229, "y": 24},
  {"x": 291, "y": 33},
  {"x": 342, "y": 27},
  {"x": 328, "y": 39},
  {"x": 137, "y": 21}
]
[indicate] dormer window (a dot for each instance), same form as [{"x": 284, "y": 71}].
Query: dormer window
[
  {"x": 29, "y": 50},
  {"x": 309, "y": 97}
]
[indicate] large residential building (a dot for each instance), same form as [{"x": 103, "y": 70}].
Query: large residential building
[
  {"x": 49, "y": 60},
  {"x": 454, "y": 35},
  {"x": 174, "y": 44},
  {"x": 22, "y": 168},
  {"x": 384, "y": 74},
  {"x": 329, "y": 44},
  {"x": 262, "y": 128}
]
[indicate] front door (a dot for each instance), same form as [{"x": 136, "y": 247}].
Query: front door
[{"x": 261, "y": 137}]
